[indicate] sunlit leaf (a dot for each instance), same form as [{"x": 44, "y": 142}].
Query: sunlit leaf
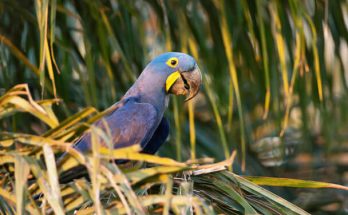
[{"x": 289, "y": 182}]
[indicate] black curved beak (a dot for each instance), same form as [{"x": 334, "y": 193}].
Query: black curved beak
[{"x": 188, "y": 84}]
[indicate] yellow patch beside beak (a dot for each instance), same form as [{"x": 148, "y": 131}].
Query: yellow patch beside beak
[{"x": 171, "y": 80}]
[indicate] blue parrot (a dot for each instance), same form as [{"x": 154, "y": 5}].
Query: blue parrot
[{"x": 138, "y": 117}]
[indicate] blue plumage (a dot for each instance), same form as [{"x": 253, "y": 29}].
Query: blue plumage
[
  {"x": 158, "y": 138},
  {"x": 138, "y": 118}
]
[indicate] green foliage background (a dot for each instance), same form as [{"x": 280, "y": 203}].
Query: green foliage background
[{"x": 271, "y": 69}]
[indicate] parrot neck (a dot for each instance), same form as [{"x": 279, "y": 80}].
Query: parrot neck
[{"x": 150, "y": 89}]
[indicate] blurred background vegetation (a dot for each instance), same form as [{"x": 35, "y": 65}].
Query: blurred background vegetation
[{"x": 275, "y": 77}]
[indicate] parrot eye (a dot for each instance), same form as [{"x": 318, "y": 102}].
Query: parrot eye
[{"x": 172, "y": 62}]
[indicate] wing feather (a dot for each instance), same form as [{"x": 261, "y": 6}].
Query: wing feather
[{"x": 133, "y": 123}]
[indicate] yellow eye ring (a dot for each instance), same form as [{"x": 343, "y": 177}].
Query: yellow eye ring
[{"x": 172, "y": 62}]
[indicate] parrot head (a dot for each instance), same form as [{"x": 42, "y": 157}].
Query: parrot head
[{"x": 180, "y": 71}]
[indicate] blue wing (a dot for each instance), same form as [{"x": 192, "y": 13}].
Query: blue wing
[
  {"x": 158, "y": 138},
  {"x": 132, "y": 123}
]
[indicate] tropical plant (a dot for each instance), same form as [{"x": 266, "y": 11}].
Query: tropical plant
[
  {"x": 274, "y": 76},
  {"x": 31, "y": 182}
]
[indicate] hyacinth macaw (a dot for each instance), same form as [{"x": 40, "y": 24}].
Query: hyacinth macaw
[{"x": 138, "y": 118}]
